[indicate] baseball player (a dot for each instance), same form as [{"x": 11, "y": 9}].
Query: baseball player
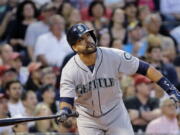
[{"x": 90, "y": 82}]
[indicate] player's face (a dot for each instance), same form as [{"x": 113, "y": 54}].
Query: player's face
[{"x": 85, "y": 45}]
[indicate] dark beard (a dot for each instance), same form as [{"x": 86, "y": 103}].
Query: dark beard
[{"x": 91, "y": 51}]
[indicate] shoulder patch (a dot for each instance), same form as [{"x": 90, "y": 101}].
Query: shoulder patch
[{"x": 127, "y": 56}]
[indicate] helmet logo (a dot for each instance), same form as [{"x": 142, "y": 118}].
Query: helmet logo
[{"x": 81, "y": 28}]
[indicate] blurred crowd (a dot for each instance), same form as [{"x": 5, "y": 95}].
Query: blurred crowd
[{"x": 34, "y": 49}]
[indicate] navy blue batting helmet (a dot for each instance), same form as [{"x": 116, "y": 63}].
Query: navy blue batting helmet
[{"x": 76, "y": 31}]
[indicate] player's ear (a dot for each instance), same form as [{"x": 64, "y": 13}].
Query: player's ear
[{"x": 74, "y": 48}]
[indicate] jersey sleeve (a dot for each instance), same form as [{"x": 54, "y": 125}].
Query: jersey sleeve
[
  {"x": 128, "y": 63},
  {"x": 67, "y": 86}
]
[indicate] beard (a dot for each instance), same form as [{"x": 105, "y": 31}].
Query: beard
[{"x": 90, "y": 49}]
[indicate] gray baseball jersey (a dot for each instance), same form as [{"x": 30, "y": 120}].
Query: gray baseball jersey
[{"x": 97, "y": 94}]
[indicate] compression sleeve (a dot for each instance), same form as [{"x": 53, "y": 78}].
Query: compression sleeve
[{"x": 143, "y": 67}]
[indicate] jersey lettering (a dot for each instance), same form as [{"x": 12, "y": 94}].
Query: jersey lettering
[{"x": 94, "y": 85}]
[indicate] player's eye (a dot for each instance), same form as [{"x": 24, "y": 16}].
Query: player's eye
[{"x": 80, "y": 39}]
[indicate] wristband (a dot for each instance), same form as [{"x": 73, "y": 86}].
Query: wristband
[
  {"x": 68, "y": 100},
  {"x": 169, "y": 88},
  {"x": 167, "y": 85}
]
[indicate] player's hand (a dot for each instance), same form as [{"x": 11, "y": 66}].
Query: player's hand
[
  {"x": 63, "y": 115},
  {"x": 175, "y": 96}
]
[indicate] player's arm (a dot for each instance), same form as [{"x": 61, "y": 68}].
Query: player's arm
[
  {"x": 67, "y": 92},
  {"x": 66, "y": 105},
  {"x": 66, "y": 102},
  {"x": 154, "y": 75}
]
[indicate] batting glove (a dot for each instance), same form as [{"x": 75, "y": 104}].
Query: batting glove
[
  {"x": 63, "y": 115},
  {"x": 175, "y": 96}
]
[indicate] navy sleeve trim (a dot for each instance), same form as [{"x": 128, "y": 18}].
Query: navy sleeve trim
[
  {"x": 143, "y": 67},
  {"x": 67, "y": 100},
  {"x": 165, "y": 84}
]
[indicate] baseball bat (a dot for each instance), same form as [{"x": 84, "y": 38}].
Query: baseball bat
[{"x": 14, "y": 121}]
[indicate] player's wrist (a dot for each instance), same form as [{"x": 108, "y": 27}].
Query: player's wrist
[{"x": 170, "y": 89}]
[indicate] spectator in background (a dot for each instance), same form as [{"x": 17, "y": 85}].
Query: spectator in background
[
  {"x": 14, "y": 91},
  {"x": 4, "y": 9},
  {"x": 65, "y": 10},
  {"x": 156, "y": 59},
  {"x": 149, "y": 3},
  {"x": 4, "y": 114},
  {"x": 89, "y": 24},
  {"x": 36, "y": 29},
  {"x": 26, "y": 14},
  {"x": 5, "y": 53},
  {"x": 42, "y": 126},
  {"x": 33, "y": 82},
  {"x": 16, "y": 63},
  {"x": 3, "y": 106},
  {"x": 48, "y": 76},
  {"x": 114, "y": 3},
  {"x": 167, "y": 123},
  {"x": 48, "y": 97},
  {"x": 9, "y": 74},
  {"x": 20, "y": 129},
  {"x": 130, "y": 12},
  {"x": 171, "y": 12},
  {"x": 40, "y": 3},
  {"x": 142, "y": 108},
  {"x": 127, "y": 85},
  {"x": 169, "y": 49},
  {"x": 178, "y": 119},
  {"x": 12, "y": 3},
  {"x": 153, "y": 23},
  {"x": 116, "y": 25},
  {"x": 175, "y": 33},
  {"x": 3, "y": 27},
  {"x": 57, "y": 3},
  {"x": 81, "y": 4},
  {"x": 74, "y": 18},
  {"x": 7, "y": 13},
  {"x": 104, "y": 38},
  {"x": 143, "y": 12},
  {"x": 97, "y": 12},
  {"x": 177, "y": 67},
  {"x": 117, "y": 43},
  {"x": 52, "y": 47},
  {"x": 134, "y": 45},
  {"x": 29, "y": 100}
]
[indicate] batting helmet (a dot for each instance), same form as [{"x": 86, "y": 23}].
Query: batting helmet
[{"x": 76, "y": 31}]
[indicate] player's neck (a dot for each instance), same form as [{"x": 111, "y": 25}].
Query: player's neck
[{"x": 88, "y": 60}]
